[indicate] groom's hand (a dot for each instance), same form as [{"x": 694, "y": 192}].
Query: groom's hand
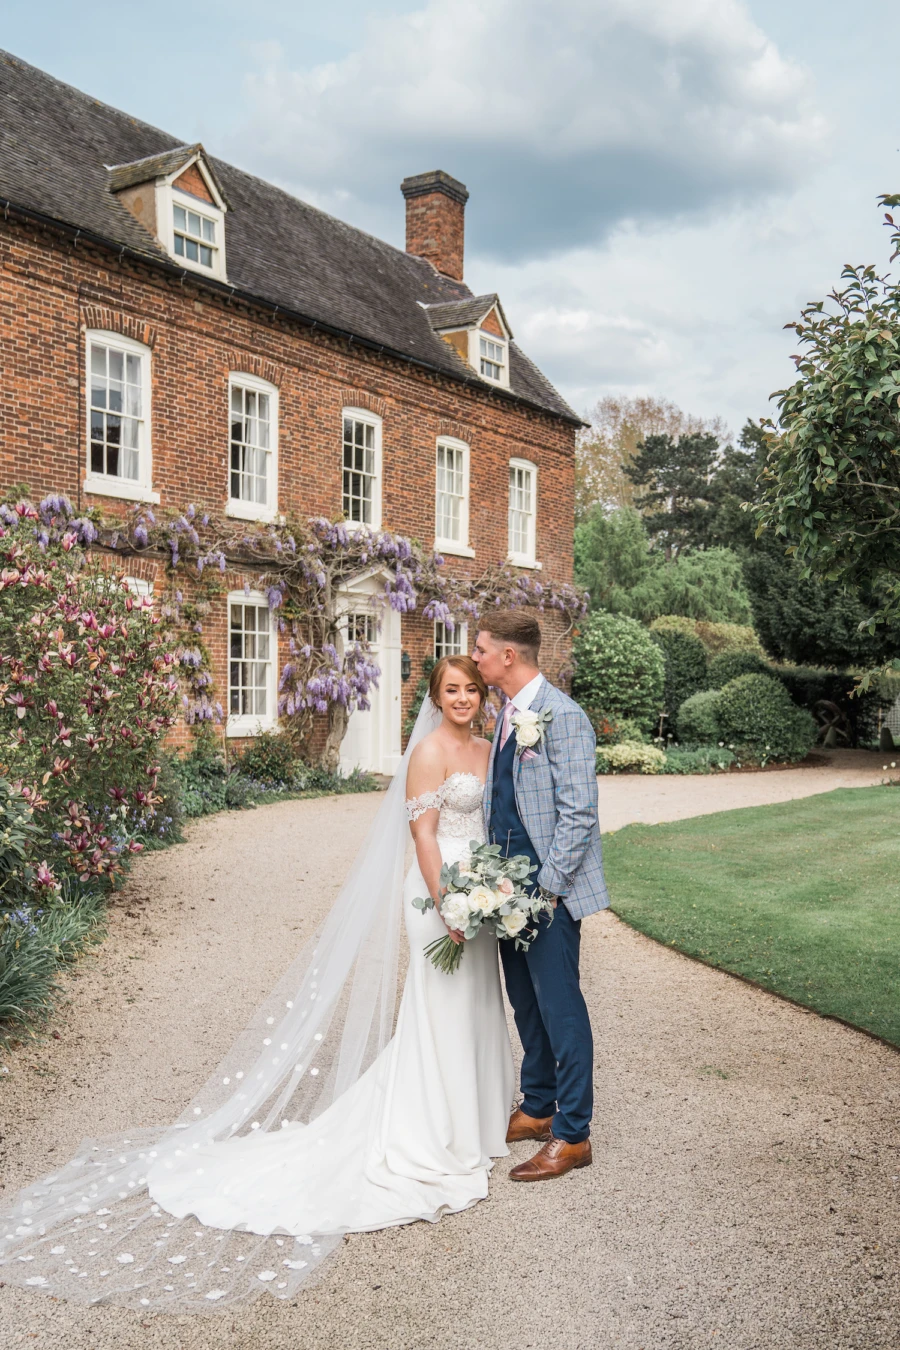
[{"x": 550, "y": 898}]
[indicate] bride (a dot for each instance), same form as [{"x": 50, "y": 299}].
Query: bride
[{"x": 337, "y": 1126}]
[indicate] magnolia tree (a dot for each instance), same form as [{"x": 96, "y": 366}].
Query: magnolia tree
[
  {"x": 831, "y": 483},
  {"x": 88, "y": 689},
  {"x": 306, "y": 568}
]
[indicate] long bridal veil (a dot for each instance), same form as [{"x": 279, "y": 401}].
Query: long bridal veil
[{"x": 91, "y": 1231}]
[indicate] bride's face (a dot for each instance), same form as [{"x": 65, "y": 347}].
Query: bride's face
[{"x": 460, "y": 700}]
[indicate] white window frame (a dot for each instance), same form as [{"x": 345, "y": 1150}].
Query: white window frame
[
  {"x": 253, "y": 724},
  {"x": 138, "y": 489},
  {"x": 372, "y": 420},
  {"x": 459, "y": 638},
  {"x": 168, "y": 196},
  {"x": 476, "y": 336},
  {"x": 457, "y": 547},
  {"x": 140, "y": 587},
  {"x": 528, "y": 557},
  {"x": 236, "y": 506}
]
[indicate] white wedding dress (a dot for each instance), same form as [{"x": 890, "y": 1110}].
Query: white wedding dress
[{"x": 415, "y": 1135}]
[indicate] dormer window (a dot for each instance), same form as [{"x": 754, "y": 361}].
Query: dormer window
[
  {"x": 178, "y": 199},
  {"x": 493, "y": 358},
  {"x": 194, "y": 236},
  {"x": 477, "y": 330}
]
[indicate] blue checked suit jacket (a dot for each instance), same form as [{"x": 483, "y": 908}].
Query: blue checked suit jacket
[{"x": 556, "y": 797}]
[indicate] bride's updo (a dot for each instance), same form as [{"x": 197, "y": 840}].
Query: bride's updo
[{"x": 463, "y": 663}]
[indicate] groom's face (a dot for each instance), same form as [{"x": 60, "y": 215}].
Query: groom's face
[{"x": 492, "y": 659}]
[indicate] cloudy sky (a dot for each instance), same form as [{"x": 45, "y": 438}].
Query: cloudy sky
[{"x": 656, "y": 185}]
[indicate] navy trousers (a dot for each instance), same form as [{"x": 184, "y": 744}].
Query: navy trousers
[{"x": 543, "y": 986}]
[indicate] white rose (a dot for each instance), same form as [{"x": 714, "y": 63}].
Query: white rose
[
  {"x": 528, "y": 730},
  {"x": 483, "y": 898},
  {"x": 514, "y": 922},
  {"x": 455, "y": 910}
]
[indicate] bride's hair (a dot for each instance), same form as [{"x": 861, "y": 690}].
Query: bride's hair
[{"x": 464, "y": 663}]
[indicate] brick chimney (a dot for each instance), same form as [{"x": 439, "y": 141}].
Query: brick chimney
[{"x": 435, "y": 220}]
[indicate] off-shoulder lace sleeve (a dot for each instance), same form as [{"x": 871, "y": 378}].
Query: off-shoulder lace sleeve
[{"x": 417, "y": 806}]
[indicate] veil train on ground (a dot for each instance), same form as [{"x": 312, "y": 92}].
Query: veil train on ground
[{"x": 90, "y": 1231}]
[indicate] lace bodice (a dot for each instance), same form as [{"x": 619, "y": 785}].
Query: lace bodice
[{"x": 459, "y": 800}]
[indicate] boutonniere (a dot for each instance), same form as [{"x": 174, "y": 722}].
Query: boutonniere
[{"x": 530, "y": 727}]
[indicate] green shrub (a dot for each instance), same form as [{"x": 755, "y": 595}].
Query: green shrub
[
  {"x": 809, "y": 685},
  {"x": 685, "y": 658},
  {"x": 727, "y": 666},
  {"x": 758, "y": 719},
  {"x": 630, "y": 757},
  {"x": 698, "y": 718},
  {"x": 618, "y": 668},
  {"x": 36, "y": 941},
  {"x": 716, "y": 637},
  {"x": 270, "y": 761},
  {"x": 615, "y": 730},
  {"x": 698, "y": 759}
]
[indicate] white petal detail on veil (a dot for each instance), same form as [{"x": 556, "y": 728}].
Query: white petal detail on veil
[{"x": 91, "y": 1230}]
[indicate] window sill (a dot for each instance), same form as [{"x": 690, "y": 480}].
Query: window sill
[
  {"x": 517, "y": 560},
  {"x": 455, "y": 549},
  {"x": 239, "y": 510},
  {"x": 119, "y": 487},
  {"x": 249, "y": 726}
]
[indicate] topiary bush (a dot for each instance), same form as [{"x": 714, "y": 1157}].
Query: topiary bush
[
  {"x": 619, "y": 669},
  {"x": 727, "y": 666},
  {"x": 698, "y": 718},
  {"x": 630, "y": 757},
  {"x": 685, "y": 664},
  {"x": 758, "y": 719}
]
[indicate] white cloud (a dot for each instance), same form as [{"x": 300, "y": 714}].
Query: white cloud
[{"x": 563, "y": 120}]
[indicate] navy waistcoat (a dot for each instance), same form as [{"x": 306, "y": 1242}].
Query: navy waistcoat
[{"x": 507, "y": 829}]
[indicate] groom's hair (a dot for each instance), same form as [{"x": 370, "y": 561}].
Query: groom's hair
[{"x": 517, "y": 627}]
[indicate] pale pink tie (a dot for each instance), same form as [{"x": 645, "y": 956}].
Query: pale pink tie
[{"x": 507, "y": 718}]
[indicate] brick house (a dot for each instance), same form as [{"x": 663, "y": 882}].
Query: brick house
[{"x": 174, "y": 330}]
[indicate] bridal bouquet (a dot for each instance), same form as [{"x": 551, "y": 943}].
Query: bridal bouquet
[{"x": 484, "y": 889}]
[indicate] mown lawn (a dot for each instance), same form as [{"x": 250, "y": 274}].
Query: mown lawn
[{"x": 803, "y": 897}]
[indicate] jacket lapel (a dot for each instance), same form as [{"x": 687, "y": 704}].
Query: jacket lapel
[
  {"x": 492, "y": 757},
  {"x": 537, "y": 703}
]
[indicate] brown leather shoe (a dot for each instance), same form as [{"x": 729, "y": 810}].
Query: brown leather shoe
[
  {"x": 527, "y": 1127},
  {"x": 555, "y": 1159}
]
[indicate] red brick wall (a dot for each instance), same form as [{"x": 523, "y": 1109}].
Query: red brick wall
[
  {"x": 192, "y": 181},
  {"x": 51, "y": 291},
  {"x": 435, "y": 229}
]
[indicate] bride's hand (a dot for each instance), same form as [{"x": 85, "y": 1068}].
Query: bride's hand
[{"x": 456, "y": 935}]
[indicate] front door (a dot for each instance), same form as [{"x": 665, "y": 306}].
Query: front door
[{"x": 372, "y": 741}]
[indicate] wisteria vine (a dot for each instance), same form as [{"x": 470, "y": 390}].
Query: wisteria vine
[{"x": 305, "y": 568}]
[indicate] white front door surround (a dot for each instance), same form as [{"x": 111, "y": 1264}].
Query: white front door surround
[{"x": 372, "y": 741}]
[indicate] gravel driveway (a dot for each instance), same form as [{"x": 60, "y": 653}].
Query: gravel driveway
[{"x": 745, "y": 1191}]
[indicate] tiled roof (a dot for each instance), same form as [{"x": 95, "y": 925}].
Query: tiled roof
[
  {"x": 461, "y": 313},
  {"x": 56, "y": 144},
  {"x": 158, "y": 166}
]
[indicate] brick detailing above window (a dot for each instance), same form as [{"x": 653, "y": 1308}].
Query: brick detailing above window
[
  {"x": 251, "y": 364},
  {"x": 113, "y": 321},
  {"x": 460, "y": 431},
  {"x": 358, "y": 398}
]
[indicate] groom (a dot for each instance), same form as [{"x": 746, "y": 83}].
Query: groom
[{"x": 541, "y": 799}]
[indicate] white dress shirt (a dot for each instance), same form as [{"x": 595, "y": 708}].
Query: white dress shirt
[{"x": 528, "y": 693}]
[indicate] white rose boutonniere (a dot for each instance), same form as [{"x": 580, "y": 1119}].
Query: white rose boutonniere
[{"x": 529, "y": 727}]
